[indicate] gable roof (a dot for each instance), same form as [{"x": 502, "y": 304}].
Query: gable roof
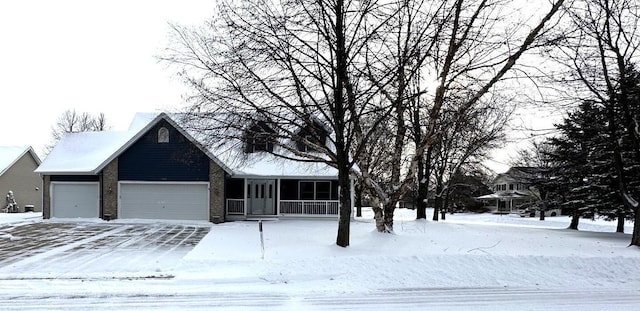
[
  {"x": 259, "y": 164},
  {"x": 9, "y": 155},
  {"x": 97, "y": 149},
  {"x": 521, "y": 174}
]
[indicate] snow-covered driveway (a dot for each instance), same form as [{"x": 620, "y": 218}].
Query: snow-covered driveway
[{"x": 52, "y": 250}]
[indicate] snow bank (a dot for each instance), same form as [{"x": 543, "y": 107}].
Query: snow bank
[{"x": 464, "y": 251}]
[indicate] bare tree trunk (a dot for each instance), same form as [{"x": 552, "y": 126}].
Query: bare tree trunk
[
  {"x": 438, "y": 199},
  {"x": 377, "y": 215},
  {"x": 423, "y": 185},
  {"x": 340, "y": 108},
  {"x": 620, "y": 225},
  {"x": 543, "y": 195},
  {"x": 445, "y": 207},
  {"x": 389, "y": 208},
  {"x": 575, "y": 219},
  {"x": 358, "y": 198},
  {"x": 421, "y": 207},
  {"x": 635, "y": 236},
  {"x": 344, "y": 220}
]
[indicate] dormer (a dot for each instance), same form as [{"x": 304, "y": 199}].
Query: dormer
[
  {"x": 259, "y": 137},
  {"x": 315, "y": 133}
]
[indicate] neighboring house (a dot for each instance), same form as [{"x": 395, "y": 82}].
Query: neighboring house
[
  {"x": 157, "y": 170},
  {"x": 512, "y": 190},
  {"x": 16, "y": 174}
]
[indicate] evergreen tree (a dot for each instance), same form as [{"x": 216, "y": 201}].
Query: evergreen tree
[{"x": 578, "y": 153}]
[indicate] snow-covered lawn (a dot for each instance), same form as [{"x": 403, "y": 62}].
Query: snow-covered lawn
[{"x": 479, "y": 261}]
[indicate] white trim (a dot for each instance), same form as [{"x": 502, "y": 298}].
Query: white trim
[
  {"x": 351, "y": 197},
  {"x": 134, "y": 182},
  {"x": 244, "y": 195},
  {"x": 52, "y": 193},
  {"x": 277, "y": 196}
]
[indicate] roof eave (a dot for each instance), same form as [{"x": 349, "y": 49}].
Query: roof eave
[{"x": 26, "y": 150}]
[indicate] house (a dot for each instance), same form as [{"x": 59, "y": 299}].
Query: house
[
  {"x": 16, "y": 174},
  {"x": 158, "y": 170},
  {"x": 512, "y": 190}
]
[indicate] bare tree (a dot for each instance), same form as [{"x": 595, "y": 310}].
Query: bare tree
[
  {"x": 351, "y": 65},
  {"x": 464, "y": 142},
  {"x": 470, "y": 54},
  {"x": 286, "y": 65},
  {"x": 71, "y": 121}
]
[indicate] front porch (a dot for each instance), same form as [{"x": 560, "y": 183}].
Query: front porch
[
  {"x": 506, "y": 202},
  {"x": 265, "y": 198},
  {"x": 236, "y": 208}
]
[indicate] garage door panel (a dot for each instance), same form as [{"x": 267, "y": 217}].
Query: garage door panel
[
  {"x": 164, "y": 201},
  {"x": 75, "y": 200}
]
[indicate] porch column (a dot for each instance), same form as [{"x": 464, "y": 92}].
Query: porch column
[
  {"x": 277, "y": 196},
  {"x": 244, "y": 196},
  {"x": 351, "y": 196}
]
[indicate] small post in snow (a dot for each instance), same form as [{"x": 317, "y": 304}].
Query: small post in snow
[{"x": 261, "y": 237}]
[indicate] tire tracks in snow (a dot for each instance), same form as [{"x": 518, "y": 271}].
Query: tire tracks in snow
[
  {"x": 476, "y": 299},
  {"x": 24, "y": 264}
]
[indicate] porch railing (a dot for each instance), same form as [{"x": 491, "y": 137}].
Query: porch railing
[
  {"x": 301, "y": 207},
  {"x": 235, "y": 206}
]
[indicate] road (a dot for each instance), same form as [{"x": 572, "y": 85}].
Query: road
[{"x": 404, "y": 299}]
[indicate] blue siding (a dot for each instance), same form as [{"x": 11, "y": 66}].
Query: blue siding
[{"x": 177, "y": 160}]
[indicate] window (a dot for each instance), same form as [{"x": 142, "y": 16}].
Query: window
[
  {"x": 510, "y": 186},
  {"x": 260, "y": 143},
  {"x": 163, "y": 135},
  {"x": 315, "y": 190},
  {"x": 312, "y": 134},
  {"x": 307, "y": 190},
  {"x": 323, "y": 190},
  {"x": 305, "y": 147},
  {"x": 259, "y": 137}
]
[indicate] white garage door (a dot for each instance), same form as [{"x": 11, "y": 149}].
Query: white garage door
[
  {"x": 73, "y": 200},
  {"x": 186, "y": 201}
]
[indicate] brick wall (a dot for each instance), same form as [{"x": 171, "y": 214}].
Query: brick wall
[
  {"x": 216, "y": 193},
  {"x": 110, "y": 190}
]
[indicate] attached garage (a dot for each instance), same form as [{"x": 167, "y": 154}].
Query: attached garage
[
  {"x": 164, "y": 200},
  {"x": 154, "y": 170},
  {"x": 73, "y": 200}
]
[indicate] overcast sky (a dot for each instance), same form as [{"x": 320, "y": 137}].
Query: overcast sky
[{"x": 92, "y": 56}]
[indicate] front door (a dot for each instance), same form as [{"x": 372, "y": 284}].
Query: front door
[{"x": 261, "y": 197}]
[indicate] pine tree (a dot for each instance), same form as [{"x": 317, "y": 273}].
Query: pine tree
[{"x": 577, "y": 158}]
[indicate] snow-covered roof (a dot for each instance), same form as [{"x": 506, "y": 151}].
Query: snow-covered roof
[
  {"x": 89, "y": 152},
  {"x": 83, "y": 153},
  {"x": 504, "y": 195},
  {"x": 268, "y": 165},
  {"x": 9, "y": 155}
]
